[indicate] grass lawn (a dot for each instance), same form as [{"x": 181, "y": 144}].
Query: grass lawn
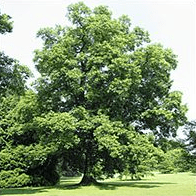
[{"x": 182, "y": 184}]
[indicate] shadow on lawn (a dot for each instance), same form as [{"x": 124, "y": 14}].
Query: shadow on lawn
[
  {"x": 114, "y": 185},
  {"x": 71, "y": 184},
  {"x": 66, "y": 183},
  {"x": 21, "y": 191}
]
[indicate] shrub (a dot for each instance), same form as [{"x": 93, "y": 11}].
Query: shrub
[{"x": 13, "y": 178}]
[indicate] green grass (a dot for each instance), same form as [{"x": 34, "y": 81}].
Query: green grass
[{"x": 182, "y": 184}]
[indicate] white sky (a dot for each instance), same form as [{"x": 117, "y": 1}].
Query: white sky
[{"x": 172, "y": 23}]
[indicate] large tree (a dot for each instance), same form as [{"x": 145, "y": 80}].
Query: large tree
[{"x": 114, "y": 83}]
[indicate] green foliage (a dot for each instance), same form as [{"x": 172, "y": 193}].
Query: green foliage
[
  {"x": 13, "y": 76},
  {"x": 58, "y": 128},
  {"x": 16, "y": 115},
  {"x": 5, "y": 24},
  {"x": 173, "y": 156},
  {"x": 190, "y": 132},
  {"x": 21, "y": 147},
  {"x": 13, "y": 178},
  {"x": 174, "y": 161},
  {"x": 165, "y": 119},
  {"x": 31, "y": 161},
  {"x": 102, "y": 63},
  {"x": 24, "y": 157},
  {"x": 108, "y": 147}
]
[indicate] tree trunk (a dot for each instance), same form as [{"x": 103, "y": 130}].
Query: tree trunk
[{"x": 87, "y": 178}]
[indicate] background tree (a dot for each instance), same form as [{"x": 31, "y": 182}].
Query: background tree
[
  {"x": 174, "y": 158},
  {"x": 101, "y": 68},
  {"x": 6, "y": 25},
  {"x": 13, "y": 76},
  {"x": 190, "y": 141},
  {"x": 19, "y": 153},
  {"x": 26, "y": 157},
  {"x": 190, "y": 131}
]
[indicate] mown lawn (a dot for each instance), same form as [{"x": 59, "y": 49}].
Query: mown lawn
[{"x": 182, "y": 184}]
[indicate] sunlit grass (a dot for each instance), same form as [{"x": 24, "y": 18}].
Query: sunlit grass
[{"x": 182, "y": 184}]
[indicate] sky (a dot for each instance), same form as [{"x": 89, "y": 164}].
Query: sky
[{"x": 169, "y": 22}]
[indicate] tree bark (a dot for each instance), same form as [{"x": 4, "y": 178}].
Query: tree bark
[{"x": 87, "y": 178}]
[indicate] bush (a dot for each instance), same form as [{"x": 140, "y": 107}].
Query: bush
[
  {"x": 173, "y": 161},
  {"x": 44, "y": 174},
  {"x": 13, "y": 178},
  {"x": 28, "y": 165}
]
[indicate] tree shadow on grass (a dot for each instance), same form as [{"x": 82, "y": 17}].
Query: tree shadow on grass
[
  {"x": 71, "y": 184},
  {"x": 116, "y": 185},
  {"x": 36, "y": 190},
  {"x": 68, "y": 186},
  {"x": 68, "y": 183},
  {"x": 21, "y": 191}
]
